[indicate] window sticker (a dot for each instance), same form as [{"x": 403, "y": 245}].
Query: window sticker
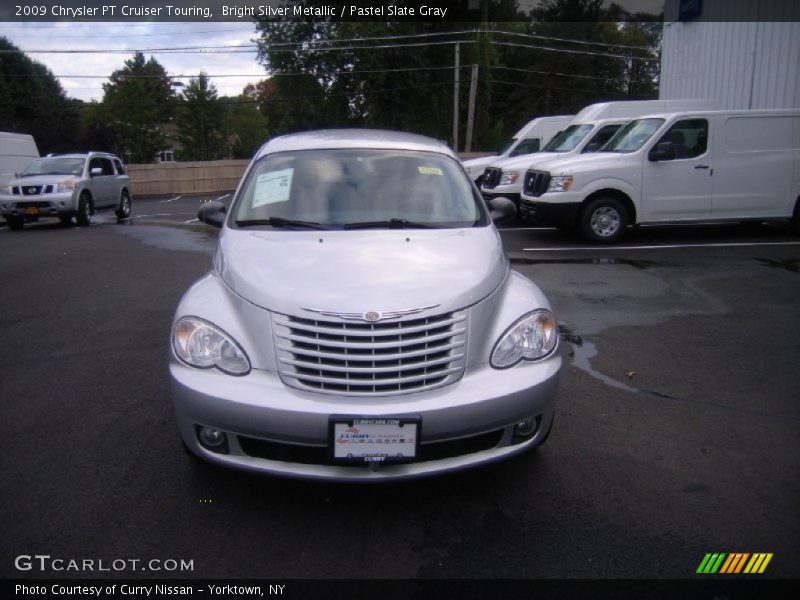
[
  {"x": 430, "y": 171},
  {"x": 273, "y": 187}
]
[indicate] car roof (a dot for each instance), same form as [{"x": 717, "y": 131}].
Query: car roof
[
  {"x": 80, "y": 155},
  {"x": 326, "y": 139}
]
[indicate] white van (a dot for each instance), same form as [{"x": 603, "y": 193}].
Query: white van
[
  {"x": 527, "y": 140},
  {"x": 587, "y": 132},
  {"x": 675, "y": 167},
  {"x": 17, "y": 151}
]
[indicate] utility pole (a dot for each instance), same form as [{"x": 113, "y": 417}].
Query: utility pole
[
  {"x": 456, "y": 82},
  {"x": 473, "y": 88}
]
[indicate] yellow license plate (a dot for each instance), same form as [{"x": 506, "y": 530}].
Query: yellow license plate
[{"x": 31, "y": 210}]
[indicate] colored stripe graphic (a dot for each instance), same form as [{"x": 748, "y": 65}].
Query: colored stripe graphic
[{"x": 726, "y": 564}]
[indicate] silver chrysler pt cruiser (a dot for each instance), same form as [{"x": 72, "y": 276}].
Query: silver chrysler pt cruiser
[{"x": 361, "y": 321}]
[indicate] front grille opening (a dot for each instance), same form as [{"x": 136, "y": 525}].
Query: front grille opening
[{"x": 320, "y": 455}]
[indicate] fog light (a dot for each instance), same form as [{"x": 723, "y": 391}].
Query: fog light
[
  {"x": 212, "y": 439},
  {"x": 527, "y": 427}
]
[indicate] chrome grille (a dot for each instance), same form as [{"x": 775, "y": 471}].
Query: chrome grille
[
  {"x": 383, "y": 358},
  {"x": 491, "y": 177},
  {"x": 536, "y": 182}
]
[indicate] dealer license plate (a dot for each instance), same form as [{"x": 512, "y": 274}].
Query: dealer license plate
[{"x": 374, "y": 439}]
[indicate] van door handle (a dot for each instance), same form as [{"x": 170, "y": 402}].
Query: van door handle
[{"x": 701, "y": 167}]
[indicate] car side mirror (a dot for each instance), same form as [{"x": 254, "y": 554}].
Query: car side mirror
[
  {"x": 95, "y": 171},
  {"x": 212, "y": 213},
  {"x": 501, "y": 209},
  {"x": 662, "y": 151}
]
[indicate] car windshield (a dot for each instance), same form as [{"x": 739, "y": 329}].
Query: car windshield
[
  {"x": 357, "y": 189},
  {"x": 568, "y": 139},
  {"x": 54, "y": 166},
  {"x": 633, "y": 135}
]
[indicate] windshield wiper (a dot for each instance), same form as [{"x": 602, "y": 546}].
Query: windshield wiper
[
  {"x": 390, "y": 224},
  {"x": 280, "y": 222}
]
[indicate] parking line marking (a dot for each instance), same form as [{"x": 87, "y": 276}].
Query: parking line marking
[
  {"x": 221, "y": 197},
  {"x": 662, "y": 247},
  {"x": 189, "y": 221},
  {"x": 171, "y": 199},
  {"x": 156, "y": 215}
]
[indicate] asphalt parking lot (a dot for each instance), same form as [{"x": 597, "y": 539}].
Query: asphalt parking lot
[{"x": 676, "y": 431}]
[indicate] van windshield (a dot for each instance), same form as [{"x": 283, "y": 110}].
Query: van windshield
[
  {"x": 54, "y": 166},
  {"x": 633, "y": 135},
  {"x": 358, "y": 188},
  {"x": 568, "y": 139},
  {"x": 507, "y": 145}
]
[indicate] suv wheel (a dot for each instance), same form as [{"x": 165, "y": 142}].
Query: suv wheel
[
  {"x": 84, "y": 216},
  {"x": 124, "y": 208},
  {"x": 15, "y": 222},
  {"x": 604, "y": 220}
]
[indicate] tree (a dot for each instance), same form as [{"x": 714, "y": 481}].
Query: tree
[
  {"x": 32, "y": 101},
  {"x": 139, "y": 100},
  {"x": 245, "y": 124},
  {"x": 199, "y": 120}
]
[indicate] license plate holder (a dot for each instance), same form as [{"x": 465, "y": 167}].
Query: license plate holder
[{"x": 374, "y": 439}]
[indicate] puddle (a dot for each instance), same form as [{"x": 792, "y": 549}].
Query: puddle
[
  {"x": 638, "y": 264},
  {"x": 789, "y": 264},
  {"x": 174, "y": 237},
  {"x": 582, "y": 359}
]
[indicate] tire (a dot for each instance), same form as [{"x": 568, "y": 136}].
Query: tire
[
  {"x": 84, "y": 216},
  {"x": 604, "y": 220},
  {"x": 15, "y": 223},
  {"x": 123, "y": 211}
]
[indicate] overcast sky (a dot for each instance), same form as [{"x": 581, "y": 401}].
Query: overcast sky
[
  {"x": 229, "y": 71},
  {"x": 131, "y": 36}
]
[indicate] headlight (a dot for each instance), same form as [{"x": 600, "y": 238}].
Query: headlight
[
  {"x": 67, "y": 185},
  {"x": 560, "y": 183},
  {"x": 508, "y": 177},
  {"x": 532, "y": 337},
  {"x": 200, "y": 344}
]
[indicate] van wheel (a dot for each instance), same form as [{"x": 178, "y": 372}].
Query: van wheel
[
  {"x": 124, "y": 208},
  {"x": 84, "y": 216},
  {"x": 15, "y": 223},
  {"x": 604, "y": 220}
]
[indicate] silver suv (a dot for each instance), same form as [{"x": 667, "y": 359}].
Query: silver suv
[{"x": 67, "y": 186}]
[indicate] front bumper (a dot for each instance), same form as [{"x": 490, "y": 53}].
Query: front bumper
[
  {"x": 273, "y": 428},
  {"x": 549, "y": 213},
  {"x": 40, "y": 205}
]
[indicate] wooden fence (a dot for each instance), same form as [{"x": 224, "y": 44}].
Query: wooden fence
[{"x": 196, "y": 178}]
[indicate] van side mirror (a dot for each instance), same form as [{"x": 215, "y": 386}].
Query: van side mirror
[
  {"x": 501, "y": 209},
  {"x": 662, "y": 151},
  {"x": 212, "y": 213}
]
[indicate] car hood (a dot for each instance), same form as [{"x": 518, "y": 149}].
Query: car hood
[
  {"x": 361, "y": 271},
  {"x": 41, "y": 179},
  {"x": 523, "y": 162},
  {"x": 583, "y": 162}
]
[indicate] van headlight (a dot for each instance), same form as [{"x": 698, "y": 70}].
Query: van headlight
[
  {"x": 508, "y": 177},
  {"x": 560, "y": 183},
  {"x": 200, "y": 344},
  {"x": 532, "y": 337}
]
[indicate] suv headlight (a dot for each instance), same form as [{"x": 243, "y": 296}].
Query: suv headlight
[
  {"x": 67, "y": 185},
  {"x": 560, "y": 183},
  {"x": 508, "y": 177},
  {"x": 200, "y": 344},
  {"x": 532, "y": 337}
]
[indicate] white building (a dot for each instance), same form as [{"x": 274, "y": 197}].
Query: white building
[{"x": 744, "y": 53}]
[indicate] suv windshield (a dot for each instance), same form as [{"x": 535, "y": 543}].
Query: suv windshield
[
  {"x": 355, "y": 188},
  {"x": 568, "y": 139},
  {"x": 633, "y": 135},
  {"x": 54, "y": 166}
]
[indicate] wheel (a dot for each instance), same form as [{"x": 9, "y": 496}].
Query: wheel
[
  {"x": 15, "y": 222},
  {"x": 604, "y": 220},
  {"x": 84, "y": 216},
  {"x": 123, "y": 211}
]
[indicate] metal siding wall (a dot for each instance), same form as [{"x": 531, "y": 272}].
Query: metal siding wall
[{"x": 742, "y": 64}]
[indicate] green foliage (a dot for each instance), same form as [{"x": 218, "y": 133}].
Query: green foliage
[
  {"x": 199, "y": 120},
  {"x": 138, "y": 99},
  {"x": 32, "y": 101},
  {"x": 244, "y": 125}
]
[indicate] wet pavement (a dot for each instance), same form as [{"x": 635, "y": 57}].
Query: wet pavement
[{"x": 675, "y": 434}]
